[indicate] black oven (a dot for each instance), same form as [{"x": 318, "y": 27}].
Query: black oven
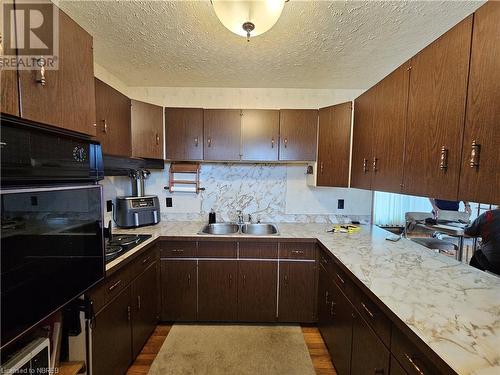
[{"x": 52, "y": 247}]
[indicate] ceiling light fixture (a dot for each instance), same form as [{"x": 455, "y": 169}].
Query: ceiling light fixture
[{"x": 248, "y": 17}]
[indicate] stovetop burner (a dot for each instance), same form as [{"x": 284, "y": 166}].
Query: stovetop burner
[{"x": 120, "y": 244}]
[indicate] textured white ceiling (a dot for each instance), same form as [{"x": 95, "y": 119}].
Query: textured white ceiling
[{"x": 315, "y": 44}]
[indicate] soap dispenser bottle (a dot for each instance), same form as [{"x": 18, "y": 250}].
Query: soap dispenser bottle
[{"x": 212, "y": 218}]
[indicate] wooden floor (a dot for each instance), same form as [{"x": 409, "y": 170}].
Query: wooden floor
[{"x": 317, "y": 350}]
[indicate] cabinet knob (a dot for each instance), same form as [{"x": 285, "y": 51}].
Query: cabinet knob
[
  {"x": 443, "y": 161},
  {"x": 41, "y": 79},
  {"x": 474, "y": 154},
  {"x": 375, "y": 162}
]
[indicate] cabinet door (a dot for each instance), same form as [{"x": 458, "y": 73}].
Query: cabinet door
[
  {"x": 334, "y": 145},
  {"x": 257, "y": 290},
  {"x": 111, "y": 337},
  {"x": 480, "y": 172},
  {"x": 325, "y": 306},
  {"x": 297, "y": 289},
  {"x": 222, "y": 134},
  {"x": 436, "y": 114},
  {"x": 77, "y": 77},
  {"x": 362, "y": 140},
  {"x": 340, "y": 343},
  {"x": 147, "y": 130},
  {"x": 184, "y": 133},
  {"x": 113, "y": 120},
  {"x": 144, "y": 307},
  {"x": 298, "y": 134},
  {"x": 218, "y": 290},
  {"x": 369, "y": 355},
  {"x": 396, "y": 368},
  {"x": 260, "y": 134},
  {"x": 9, "y": 92},
  {"x": 179, "y": 289},
  {"x": 389, "y": 123}
]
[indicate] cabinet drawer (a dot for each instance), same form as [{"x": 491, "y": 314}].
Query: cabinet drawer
[
  {"x": 117, "y": 282},
  {"x": 410, "y": 356},
  {"x": 341, "y": 279},
  {"x": 297, "y": 250},
  {"x": 375, "y": 318},
  {"x": 217, "y": 249},
  {"x": 178, "y": 249},
  {"x": 258, "y": 250},
  {"x": 143, "y": 261},
  {"x": 327, "y": 262}
]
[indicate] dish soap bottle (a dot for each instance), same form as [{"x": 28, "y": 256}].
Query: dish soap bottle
[{"x": 212, "y": 219}]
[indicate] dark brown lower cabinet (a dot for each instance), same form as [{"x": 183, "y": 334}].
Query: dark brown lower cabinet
[
  {"x": 297, "y": 280},
  {"x": 111, "y": 337},
  {"x": 179, "y": 290},
  {"x": 217, "y": 290},
  {"x": 340, "y": 344},
  {"x": 325, "y": 306},
  {"x": 369, "y": 355},
  {"x": 257, "y": 290},
  {"x": 396, "y": 368},
  {"x": 144, "y": 307}
]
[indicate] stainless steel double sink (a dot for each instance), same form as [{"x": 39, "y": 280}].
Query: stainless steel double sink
[{"x": 259, "y": 229}]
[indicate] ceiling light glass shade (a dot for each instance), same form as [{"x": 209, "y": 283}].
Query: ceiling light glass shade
[{"x": 263, "y": 14}]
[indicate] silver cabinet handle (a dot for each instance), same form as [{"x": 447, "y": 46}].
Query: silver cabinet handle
[
  {"x": 41, "y": 80},
  {"x": 144, "y": 261},
  {"x": 105, "y": 127},
  {"x": 157, "y": 139},
  {"x": 474, "y": 154},
  {"x": 114, "y": 285},
  {"x": 272, "y": 142},
  {"x": 285, "y": 141},
  {"x": 340, "y": 278},
  {"x": 367, "y": 310},
  {"x": 189, "y": 279},
  {"x": 230, "y": 280},
  {"x": 129, "y": 311},
  {"x": 209, "y": 141},
  {"x": 375, "y": 161},
  {"x": 138, "y": 302},
  {"x": 196, "y": 142},
  {"x": 443, "y": 161},
  {"x": 414, "y": 364},
  {"x": 321, "y": 167},
  {"x": 332, "y": 308},
  {"x": 298, "y": 252},
  {"x": 177, "y": 251},
  {"x": 365, "y": 165}
]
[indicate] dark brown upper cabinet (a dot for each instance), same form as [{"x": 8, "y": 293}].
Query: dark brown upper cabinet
[
  {"x": 334, "y": 145},
  {"x": 362, "y": 140},
  {"x": 389, "y": 125},
  {"x": 147, "y": 130},
  {"x": 10, "y": 95},
  {"x": 184, "y": 133},
  {"x": 113, "y": 120},
  {"x": 222, "y": 134},
  {"x": 298, "y": 134},
  {"x": 66, "y": 99},
  {"x": 436, "y": 114},
  {"x": 480, "y": 169},
  {"x": 260, "y": 134}
]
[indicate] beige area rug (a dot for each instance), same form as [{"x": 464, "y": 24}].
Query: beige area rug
[{"x": 233, "y": 349}]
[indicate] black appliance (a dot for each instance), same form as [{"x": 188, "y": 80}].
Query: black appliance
[
  {"x": 52, "y": 247},
  {"x": 121, "y": 243}
]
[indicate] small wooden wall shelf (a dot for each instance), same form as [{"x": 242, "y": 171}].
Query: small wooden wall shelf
[{"x": 185, "y": 184}]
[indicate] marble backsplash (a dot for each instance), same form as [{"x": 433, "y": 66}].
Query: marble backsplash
[{"x": 268, "y": 192}]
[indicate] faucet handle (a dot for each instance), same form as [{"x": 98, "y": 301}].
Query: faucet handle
[{"x": 250, "y": 218}]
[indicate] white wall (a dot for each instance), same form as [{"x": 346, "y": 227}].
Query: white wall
[{"x": 295, "y": 201}]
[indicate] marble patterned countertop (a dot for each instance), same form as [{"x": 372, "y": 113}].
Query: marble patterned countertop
[{"x": 453, "y": 308}]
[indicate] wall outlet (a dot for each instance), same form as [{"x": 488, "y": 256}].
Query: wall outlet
[
  {"x": 169, "y": 202},
  {"x": 109, "y": 205},
  {"x": 340, "y": 204}
]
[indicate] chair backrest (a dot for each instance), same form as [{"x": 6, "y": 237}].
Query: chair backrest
[
  {"x": 453, "y": 216},
  {"x": 411, "y": 219}
]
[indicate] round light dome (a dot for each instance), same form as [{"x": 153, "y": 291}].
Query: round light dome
[{"x": 248, "y": 18}]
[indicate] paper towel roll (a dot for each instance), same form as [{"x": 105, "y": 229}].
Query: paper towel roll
[{"x": 184, "y": 189}]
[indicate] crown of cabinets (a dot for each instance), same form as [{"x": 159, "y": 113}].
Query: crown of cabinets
[
  {"x": 431, "y": 127},
  {"x": 240, "y": 135},
  {"x": 127, "y": 127},
  {"x": 63, "y": 98}
]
